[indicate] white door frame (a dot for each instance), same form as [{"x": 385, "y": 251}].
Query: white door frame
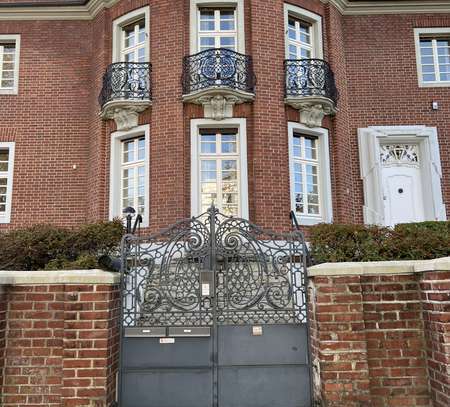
[{"x": 426, "y": 138}]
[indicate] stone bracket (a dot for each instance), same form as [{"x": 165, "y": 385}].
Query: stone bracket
[
  {"x": 218, "y": 103},
  {"x": 312, "y": 109},
  {"x": 124, "y": 113}
]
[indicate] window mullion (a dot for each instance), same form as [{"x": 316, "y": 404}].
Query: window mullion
[
  {"x": 305, "y": 188},
  {"x": 436, "y": 60},
  {"x": 220, "y": 186}
]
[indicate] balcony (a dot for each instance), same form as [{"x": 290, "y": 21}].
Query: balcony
[
  {"x": 126, "y": 92},
  {"x": 218, "y": 79},
  {"x": 310, "y": 88}
]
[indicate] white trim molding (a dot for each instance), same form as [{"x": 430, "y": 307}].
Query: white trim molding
[
  {"x": 196, "y": 126},
  {"x": 16, "y": 39},
  {"x": 193, "y": 21},
  {"x": 426, "y": 138},
  {"x": 316, "y": 23},
  {"x": 119, "y": 23},
  {"x": 10, "y": 146},
  {"x": 115, "y": 171},
  {"x": 429, "y": 32},
  {"x": 325, "y": 195},
  {"x": 93, "y": 7}
]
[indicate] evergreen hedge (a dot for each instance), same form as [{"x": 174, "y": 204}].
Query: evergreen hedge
[
  {"x": 409, "y": 241},
  {"x": 48, "y": 247}
]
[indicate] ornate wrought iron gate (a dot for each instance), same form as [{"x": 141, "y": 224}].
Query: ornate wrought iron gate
[{"x": 214, "y": 315}]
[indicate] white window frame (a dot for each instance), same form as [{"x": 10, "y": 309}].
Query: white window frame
[
  {"x": 217, "y": 34},
  {"x": 324, "y": 175},
  {"x": 123, "y": 21},
  {"x": 194, "y": 23},
  {"x": 429, "y": 32},
  {"x": 16, "y": 39},
  {"x": 115, "y": 172},
  {"x": 316, "y": 28},
  {"x": 196, "y": 126},
  {"x": 6, "y": 216}
]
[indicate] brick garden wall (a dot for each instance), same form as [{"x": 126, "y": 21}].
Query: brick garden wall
[
  {"x": 381, "y": 340},
  {"x": 61, "y": 345},
  {"x": 435, "y": 295},
  {"x": 380, "y": 336}
]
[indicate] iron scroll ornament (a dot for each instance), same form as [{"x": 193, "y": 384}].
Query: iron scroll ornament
[
  {"x": 218, "y": 67},
  {"x": 258, "y": 275},
  {"x": 126, "y": 80},
  {"x": 310, "y": 77}
]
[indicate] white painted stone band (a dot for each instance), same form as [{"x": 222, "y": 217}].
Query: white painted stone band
[
  {"x": 379, "y": 267},
  {"x": 58, "y": 277}
]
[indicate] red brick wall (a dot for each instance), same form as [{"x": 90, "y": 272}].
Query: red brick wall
[
  {"x": 373, "y": 345},
  {"x": 61, "y": 345},
  {"x": 435, "y": 289},
  {"x": 383, "y": 85}
]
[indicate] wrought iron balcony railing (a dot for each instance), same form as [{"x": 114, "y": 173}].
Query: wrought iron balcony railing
[
  {"x": 218, "y": 67},
  {"x": 126, "y": 81},
  {"x": 310, "y": 77}
]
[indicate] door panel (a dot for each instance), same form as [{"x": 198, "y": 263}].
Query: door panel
[
  {"x": 278, "y": 344},
  {"x": 167, "y": 388},
  {"x": 264, "y": 386},
  {"x": 144, "y": 353},
  {"x": 403, "y": 199}
]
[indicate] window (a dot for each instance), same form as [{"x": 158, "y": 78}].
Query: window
[
  {"x": 306, "y": 175},
  {"x": 6, "y": 175},
  {"x": 219, "y": 166},
  {"x": 134, "y": 40},
  {"x": 131, "y": 37},
  {"x": 9, "y": 63},
  {"x": 303, "y": 33},
  {"x": 133, "y": 174},
  {"x": 433, "y": 56},
  {"x": 129, "y": 172},
  {"x": 310, "y": 174},
  {"x": 217, "y": 24},
  {"x": 217, "y": 29},
  {"x": 219, "y": 170},
  {"x": 300, "y": 39}
]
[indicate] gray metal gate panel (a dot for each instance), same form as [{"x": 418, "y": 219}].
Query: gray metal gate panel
[
  {"x": 264, "y": 386},
  {"x": 205, "y": 282},
  {"x": 167, "y": 388},
  {"x": 278, "y": 345}
]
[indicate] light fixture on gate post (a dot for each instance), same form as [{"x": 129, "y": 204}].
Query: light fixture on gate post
[{"x": 129, "y": 213}]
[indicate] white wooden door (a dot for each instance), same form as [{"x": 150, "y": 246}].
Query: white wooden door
[{"x": 402, "y": 185}]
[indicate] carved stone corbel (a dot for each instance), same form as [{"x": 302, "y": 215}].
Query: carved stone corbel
[{"x": 312, "y": 110}]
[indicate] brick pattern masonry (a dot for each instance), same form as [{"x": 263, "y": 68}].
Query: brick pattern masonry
[
  {"x": 381, "y": 340},
  {"x": 61, "y": 345}
]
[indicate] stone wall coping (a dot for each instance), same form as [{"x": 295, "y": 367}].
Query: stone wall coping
[
  {"x": 379, "y": 267},
  {"x": 94, "y": 276}
]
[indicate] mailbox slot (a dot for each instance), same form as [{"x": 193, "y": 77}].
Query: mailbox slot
[
  {"x": 189, "y": 331},
  {"x": 145, "y": 332}
]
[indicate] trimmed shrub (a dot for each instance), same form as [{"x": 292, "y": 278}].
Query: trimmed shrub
[
  {"x": 48, "y": 247},
  {"x": 412, "y": 241}
]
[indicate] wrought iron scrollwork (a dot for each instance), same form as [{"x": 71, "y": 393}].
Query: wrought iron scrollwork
[
  {"x": 126, "y": 80},
  {"x": 218, "y": 67},
  {"x": 258, "y": 276},
  {"x": 310, "y": 77}
]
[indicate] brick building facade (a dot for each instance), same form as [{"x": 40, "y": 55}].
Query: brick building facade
[{"x": 257, "y": 136}]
